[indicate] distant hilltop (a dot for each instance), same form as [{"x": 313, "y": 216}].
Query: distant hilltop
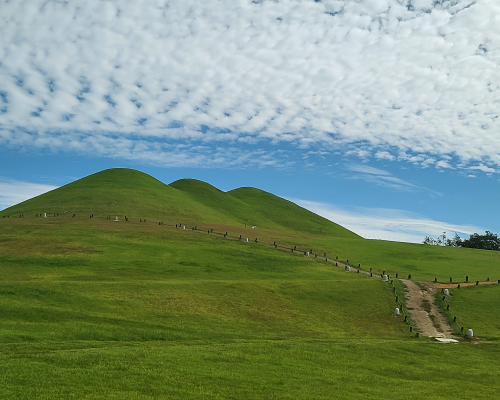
[{"x": 122, "y": 191}]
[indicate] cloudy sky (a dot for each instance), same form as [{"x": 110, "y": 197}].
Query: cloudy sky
[{"x": 379, "y": 114}]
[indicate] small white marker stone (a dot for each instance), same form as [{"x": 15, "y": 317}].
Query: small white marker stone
[
  {"x": 446, "y": 292},
  {"x": 348, "y": 269},
  {"x": 396, "y": 311},
  {"x": 470, "y": 333},
  {"x": 385, "y": 278}
]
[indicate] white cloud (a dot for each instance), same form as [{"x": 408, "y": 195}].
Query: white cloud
[
  {"x": 379, "y": 78},
  {"x": 385, "y": 224},
  {"x": 384, "y": 155},
  {"x": 13, "y": 192},
  {"x": 442, "y": 164},
  {"x": 384, "y": 178},
  {"x": 484, "y": 168}
]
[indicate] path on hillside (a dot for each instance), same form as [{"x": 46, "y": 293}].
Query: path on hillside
[
  {"x": 420, "y": 304},
  {"x": 463, "y": 284},
  {"x": 420, "y": 300}
]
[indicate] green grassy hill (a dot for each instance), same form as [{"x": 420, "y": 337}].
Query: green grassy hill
[
  {"x": 137, "y": 195},
  {"x": 90, "y": 308},
  {"x": 96, "y": 309},
  {"x": 114, "y": 192},
  {"x": 259, "y": 208}
]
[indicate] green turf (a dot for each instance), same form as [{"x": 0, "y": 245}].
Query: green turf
[
  {"x": 137, "y": 195},
  {"x": 423, "y": 262},
  {"x": 476, "y": 308},
  {"x": 91, "y": 308},
  {"x": 133, "y": 282},
  {"x": 299, "y": 369},
  {"x": 131, "y": 193}
]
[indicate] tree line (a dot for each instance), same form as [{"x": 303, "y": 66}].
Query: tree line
[{"x": 488, "y": 241}]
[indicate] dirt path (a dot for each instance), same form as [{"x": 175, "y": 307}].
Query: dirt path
[
  {"x": 423, "y": 311},
  {"x": 419, "y": 298},
  {"x": 454, "y": 285}
]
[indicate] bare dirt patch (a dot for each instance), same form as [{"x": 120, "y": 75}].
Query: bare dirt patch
[
  {"x": 454, "y": 285},
  {"x": 423, "y": 311}
]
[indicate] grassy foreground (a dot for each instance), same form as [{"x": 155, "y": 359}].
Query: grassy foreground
[
  {"x": 114, "y": 281},
  {"x": 291, "y": 369},
  {"x": 96, "y": 309}
]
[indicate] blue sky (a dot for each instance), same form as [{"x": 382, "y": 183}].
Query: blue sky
[{"x": 380, "y": 115}]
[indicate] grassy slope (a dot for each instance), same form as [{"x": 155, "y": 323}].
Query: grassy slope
[
  {"x": 93, "y": 308},
  {"x": 116, "y": 192},
  {"x": 118, "y": 281},
  {"x": 138, "y": 195},
  {"x": 132, "y": 193},
  {"x": 476, "y": 307},
  {"x": 423, "y": 262},
  {"x": 260, "y": 208}
]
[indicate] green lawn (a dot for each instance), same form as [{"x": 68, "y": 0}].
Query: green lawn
[
  {"x": 279, "y": 369},
  {"x": 91, "y": 308},
  {"x": 476, "y": 308},
  {"x": 125, "y": 282},
  {"x": 423, "y": 262}
]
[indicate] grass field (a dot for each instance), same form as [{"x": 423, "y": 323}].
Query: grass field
[
  {"x": 476, "y": 307},
  {"x": 100, "y": 309},
  {"x": 137, "y": 195},
  {"x": 291, "y": 369},
  {"x": 116, "y": 281},
  {"x": 91, "y": 308}
]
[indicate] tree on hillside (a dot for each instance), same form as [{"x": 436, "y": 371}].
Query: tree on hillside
[
  {"x": 488, "y": 241},
  {"x": 429, "y": 240},
  {"x": 455, "y": 242}
]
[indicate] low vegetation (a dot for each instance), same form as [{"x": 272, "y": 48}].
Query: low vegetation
[
  {"x": 92, "y": 308},
  {"x": 476, "y": 308}
]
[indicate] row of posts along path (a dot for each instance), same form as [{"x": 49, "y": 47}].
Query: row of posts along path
[{"x": 420, "y": 298}]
